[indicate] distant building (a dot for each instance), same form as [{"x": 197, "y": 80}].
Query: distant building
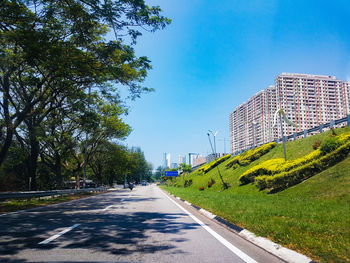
[
  {"x": 166, "y": 160},
  {"x": 182, "y": 159},
  {"x": 173, "y": 165},
  {"x": 198, "y": 161},
  {"x": 192, "y": 157},
  {"x": 307, "y": 100},
  {"x": 212, "y": 157}
]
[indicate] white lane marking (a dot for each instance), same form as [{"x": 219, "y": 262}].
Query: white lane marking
[
  {"x": 222, "y": 240},
  {"x": 46, "y": 241},
  {"x": 108, "y": 207}
]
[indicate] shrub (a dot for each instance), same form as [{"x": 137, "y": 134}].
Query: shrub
[
  {"x": 344, "y": 137},
  {"x": 248, "y": 157},
  {"x": 206, "y": 168},
  {"x": 316, "y": 144},
  {"x": 256, "y": 153},
  {"x": 188, "y": 183},
  {"x": 265, "y": 168},
  {"x": 211, "y": 182},
  {"x": 233, "y": 163},
  {"x": 329, "y": 145},
  {"x": 275, "y": 166},
  {"x": 286, "y": 179}
]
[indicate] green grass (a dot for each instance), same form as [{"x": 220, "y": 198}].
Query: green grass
[
  {"x": 312, "y": 217},
  {"x": 15, "y": 205}
]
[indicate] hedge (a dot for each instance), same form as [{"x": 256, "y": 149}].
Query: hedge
[
  {"x": 275, "y": 166},
  {"x": 233, "y": 163},
  {"x": 248, "y": 157},
  {"x": 284, "y": 180},
  {"x": 207, "y": 167}
]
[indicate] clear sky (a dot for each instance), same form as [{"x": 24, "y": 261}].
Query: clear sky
[{"x": 217, "y": 54}]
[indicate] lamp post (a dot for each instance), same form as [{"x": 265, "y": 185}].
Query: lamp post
[
  {"x": 214, "y": 135},
  {"x": 281, "y": 114},
  {"x": 224, "y": 140},
  {"x": 224, "y": 184}
]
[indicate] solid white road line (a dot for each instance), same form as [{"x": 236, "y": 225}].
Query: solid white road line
[
  {"x": 46, "y": 241},
  {"x": 222, "y": 240}
]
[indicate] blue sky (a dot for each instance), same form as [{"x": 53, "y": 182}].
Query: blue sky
[{"x": 217, "y": 54}]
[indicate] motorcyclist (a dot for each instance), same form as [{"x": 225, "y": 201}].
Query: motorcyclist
[{"x": 131, "y": 186}]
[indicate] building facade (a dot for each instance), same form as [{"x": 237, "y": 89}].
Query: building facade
[
  {"x": 182, "y": 159},
  {"x": 166, "y": 160},
  {"x": 307, "y": 100}
]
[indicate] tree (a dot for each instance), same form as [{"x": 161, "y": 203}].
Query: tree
[
  {"x": 185, "y": 168},
  {"x": 51, "y": 51}
]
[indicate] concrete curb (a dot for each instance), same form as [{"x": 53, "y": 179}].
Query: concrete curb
[{"x": 279, "y": 251}]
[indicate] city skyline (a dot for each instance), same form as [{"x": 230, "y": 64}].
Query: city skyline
[{"x": 215, "y": 55}]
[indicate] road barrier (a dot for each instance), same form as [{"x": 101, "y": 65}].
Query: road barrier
[{"x": 34, "y": 194}]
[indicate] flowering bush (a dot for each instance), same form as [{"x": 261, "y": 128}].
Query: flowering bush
[
  {"x": 206, "y": 168},
  {"x": 275, "y": 166},
  {"x": 286, "y": 179},
  {"x": 247, "y": 157}
]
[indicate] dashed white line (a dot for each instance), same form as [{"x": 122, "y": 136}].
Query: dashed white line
[
  {"x": 108, "y": 207},
  {"x": 222, "y": 240},
  {"x": 46, "y": 241}
]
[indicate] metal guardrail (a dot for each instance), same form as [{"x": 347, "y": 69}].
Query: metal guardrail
[{"x": 28, "y": 195}]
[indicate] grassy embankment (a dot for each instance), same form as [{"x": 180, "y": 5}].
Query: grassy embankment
[{"x": 312, "y": 217}]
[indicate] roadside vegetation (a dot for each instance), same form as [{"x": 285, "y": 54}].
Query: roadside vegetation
[
  {"x": 15, "y": 205},
  {"x": 63, "y": 67},
  {"x": 310, "y": 215}
]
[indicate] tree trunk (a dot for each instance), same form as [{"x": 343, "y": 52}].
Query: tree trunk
[
  {"x": 8, "y": 124},
  {"x": 33, "y": 162},
  {"x": 58, "y": 171},
  {"x": 33, "y": 153},
  {"x": 6, "y": 146}
]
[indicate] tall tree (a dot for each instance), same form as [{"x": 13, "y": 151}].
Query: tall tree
[{"x": 54, "y": 50}]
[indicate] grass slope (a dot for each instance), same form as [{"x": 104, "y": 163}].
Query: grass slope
[{"x": 312, "y": 217}]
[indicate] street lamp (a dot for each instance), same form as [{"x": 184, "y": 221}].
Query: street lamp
[
  {"x": 281, "y": 114},
  {"x": 214, "y": 135},
  {"x": 224, "y": 184}
]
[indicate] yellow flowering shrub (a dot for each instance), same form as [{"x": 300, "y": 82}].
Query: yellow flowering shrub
[
  {"x": 207, "y": 167},
  {"x": 247, "y": 157},
  {"x": 294, "y": 172},
  {"x": 344, "y": 137},
  {"x": 275, "y": 166},
  {"x": 233, "y": 163}
]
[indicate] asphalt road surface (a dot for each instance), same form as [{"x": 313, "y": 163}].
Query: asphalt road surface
[{"x": 142, "y": 225}]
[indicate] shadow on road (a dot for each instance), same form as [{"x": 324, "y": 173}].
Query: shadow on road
[{"x": 113, "y": 233}]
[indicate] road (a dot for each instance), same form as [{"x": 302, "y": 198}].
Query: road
[{"x": 143, "y": 225}]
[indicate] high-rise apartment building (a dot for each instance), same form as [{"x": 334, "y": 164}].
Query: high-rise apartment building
[{"x": 308, "y": 101}]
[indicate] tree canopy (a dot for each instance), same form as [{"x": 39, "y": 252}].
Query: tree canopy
[{"x": 61, "y": 64}]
